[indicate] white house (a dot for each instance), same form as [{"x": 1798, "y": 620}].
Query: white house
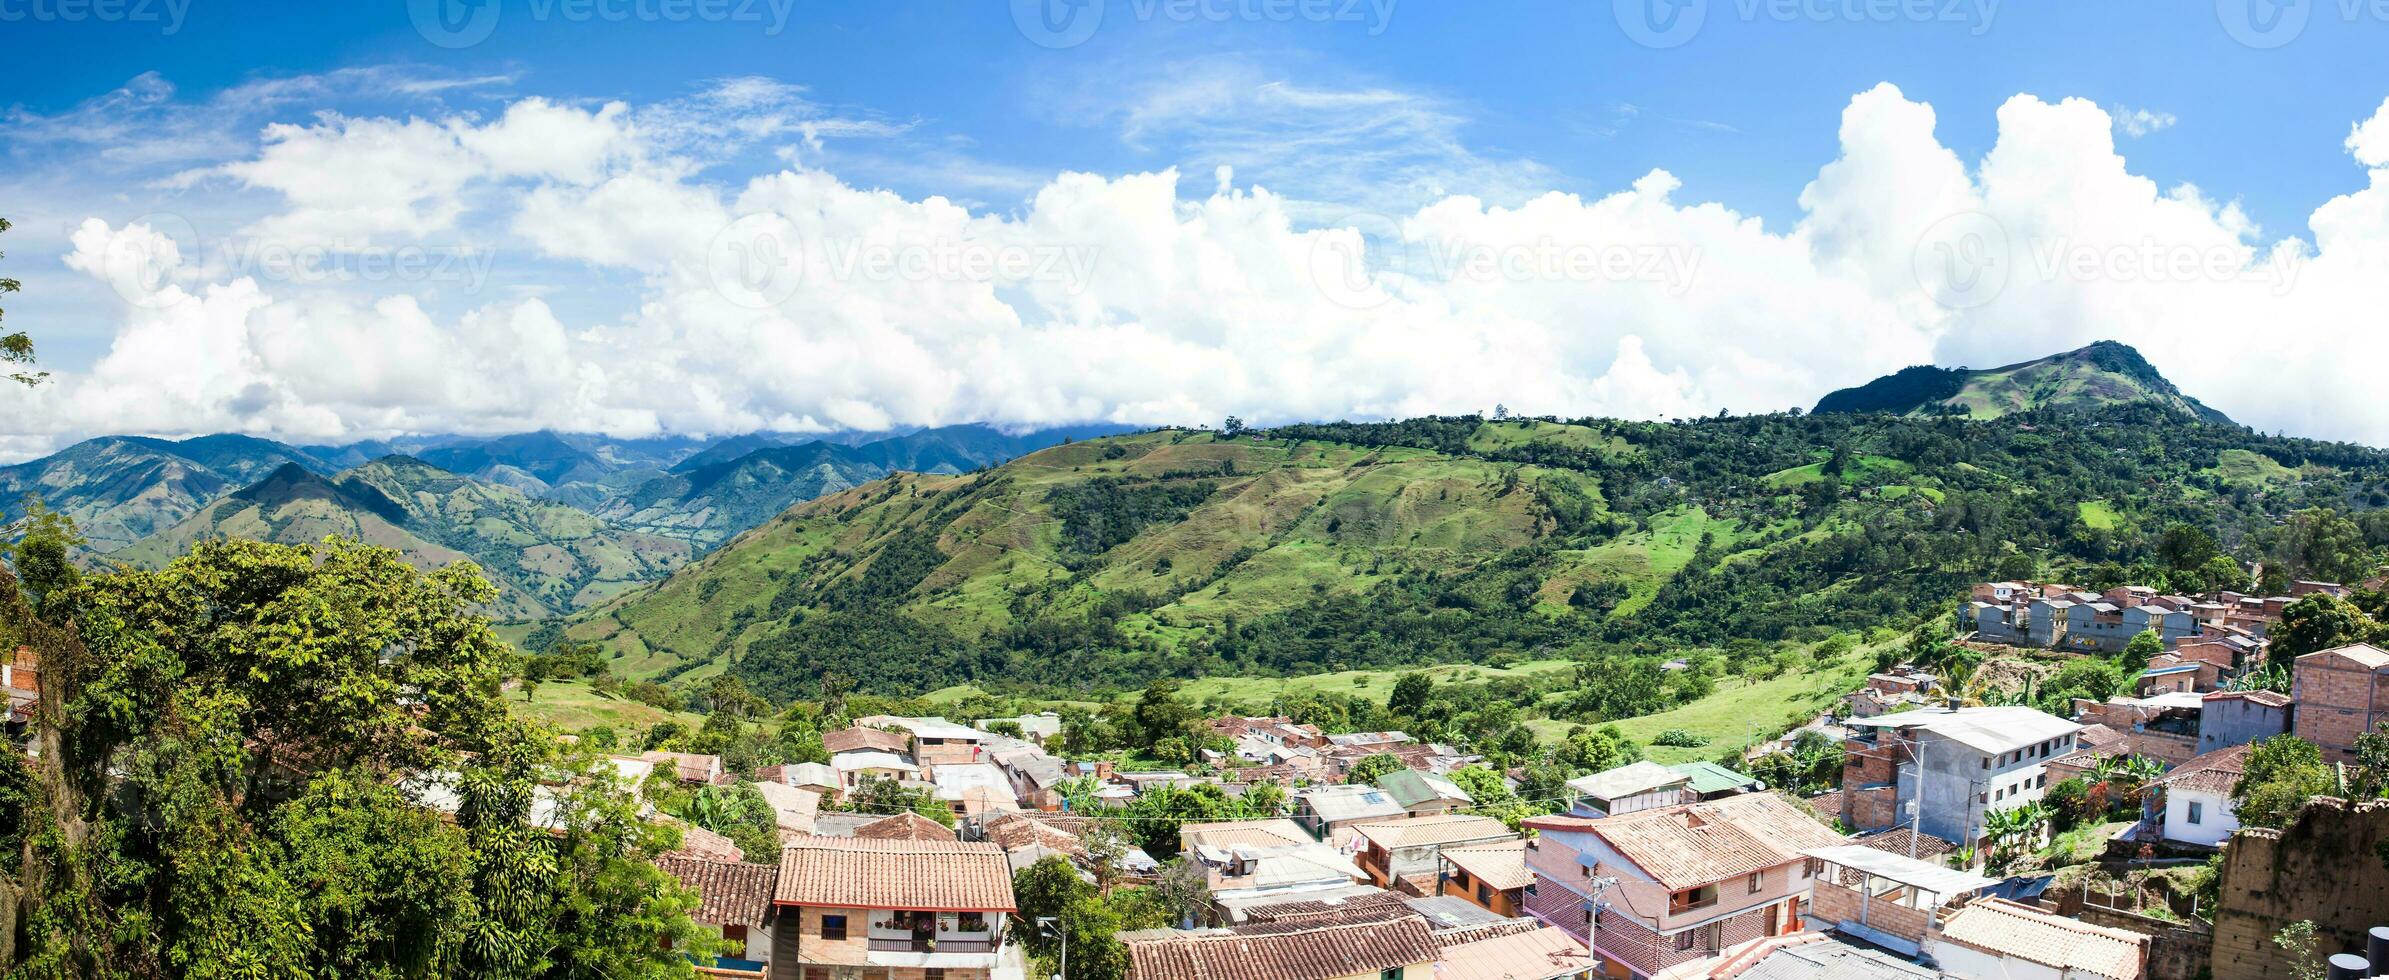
[{"x": 2196, "y": 797}]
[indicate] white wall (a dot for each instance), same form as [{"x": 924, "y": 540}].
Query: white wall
[
  {"x": 2216, "y": 819},
  {"x": 1959, "y": 961}
]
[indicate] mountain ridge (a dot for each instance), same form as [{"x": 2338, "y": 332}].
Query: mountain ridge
[{"x": 2101, "y": 374}]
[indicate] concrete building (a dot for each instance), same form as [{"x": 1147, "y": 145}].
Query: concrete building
[
  {"x": 1627, "y": 789},
  {"x": 1654, "y": 889},
  {"x": 2240, "y": 717},
  {"x": 850, "y": 906},
  {"x": 1406, "y": 855},
  {"x": 1493, "y": 877},
  {"x": 2341, "y": 693},
  {"x": 2192, "y": 804},
  {"x": 1943, "y": 770},
  {"x": 1424, "y": 793},
  {"x": 1888, "y": 899},
  {"x": 1330, "y": 812}
]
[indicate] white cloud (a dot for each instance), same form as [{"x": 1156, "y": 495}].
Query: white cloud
[
  {"x": 794, "y": 298},
  {"x": 2140, "y": 122}
]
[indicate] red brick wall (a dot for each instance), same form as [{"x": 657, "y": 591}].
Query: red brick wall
[{"x": 2338, "y": 701}]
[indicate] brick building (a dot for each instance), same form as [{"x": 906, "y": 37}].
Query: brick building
[{"x": 2341, "y": 693}]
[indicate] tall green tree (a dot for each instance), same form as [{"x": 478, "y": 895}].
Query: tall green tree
[
  {"x": 16, "y": 349},
  {"x": 2279, "y": 776}
]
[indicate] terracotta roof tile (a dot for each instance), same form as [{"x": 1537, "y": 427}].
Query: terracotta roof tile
[
  {"x": 2214, "y": 772},
  {"x": 1290, "y": 951},
  {"x": 1537, "y": 955},
  {"x": 1443, "y": 828},
  {"x": 2004, "y": 928},
  {"x": 1013, "y": 831},
  {"x": 905, "y": 826},
  {"x": 1501, "y": 865},
  {"x": 1696, "y": 844},
  {"x": 870, "y": 873},
  {"x": 860, "y": 739},
  {"x": 699, "y": 842},
  {"x": 733, "y": 893}
]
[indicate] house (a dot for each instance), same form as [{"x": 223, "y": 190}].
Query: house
[
  {"x": 1040, "y": 727},
  {"x": 1330, "y": 812},
  {"x": 812, "y": 776},
  {"x": 1628, "y": 788},
  {"x": 1405, "y": 855},
  {"x": 1423, "y": 793},
  {"x": 1995, "y": 939},
  {"x": 690, "y": 767},
  {"x": 1946, "y": 769},
  {"x": 855, "y": 767},
  {"x": 1800, "y": 956},
  {"x": 2240, "y": 717},
  {"x": 1393, "y": 948},
  {"x": 1882, "y": 897},
  {"x": 860, "y": 739},
  {"x": 2170, "y": 674},
  {"x": 1712, "y": 781},
  {"x": 1036, "y": 778},
  {"x": 935, "y": 741},
  {"x": 1657, "y": 888},
  {"x": 793, "y": 810},
  {"x": 2192, "y": 804},
  {"x": 2160, "y": 726},
  {"x": 975, "y": 790},
  {"x": 868, "y": 907},
  {"x": 735, "y": 899},
  {"x": 1492, "y": 876},
  {"x": 1252, "y": 863},
  {"x": 2341, "y": 693}
]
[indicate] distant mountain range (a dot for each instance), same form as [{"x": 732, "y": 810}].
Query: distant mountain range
[
  {"x": 2102, "y": 375},
  {"x": 562, "y": 520}
]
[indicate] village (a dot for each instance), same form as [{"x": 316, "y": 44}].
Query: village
[{"x": 1962, "y": 835}]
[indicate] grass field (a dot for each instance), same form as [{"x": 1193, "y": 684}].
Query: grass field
[
  {"x": 1374, "y": 685},
  {"x": 2099, "y": 515},
  {"x": 573, "y": 707},
  {"x": 1737, "y": 711}
]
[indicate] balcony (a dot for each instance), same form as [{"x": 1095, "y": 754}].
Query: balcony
[{"x": 933, "y": 932}]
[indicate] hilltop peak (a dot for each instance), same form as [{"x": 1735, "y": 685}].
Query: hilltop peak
[{"x": 2099, "y": 375}]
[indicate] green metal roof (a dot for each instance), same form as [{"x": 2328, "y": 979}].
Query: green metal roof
[{"x": 1709, "y": 777}]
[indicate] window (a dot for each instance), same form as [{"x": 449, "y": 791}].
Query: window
[
  {"x": 1758, "y": 880},
  {"x": 1390, "y": 973},
  {"x": 934, "y": 973},
  {"x": 833, "y": 927},
  {"x": 2197, "y": 811},
  {"x": 1684, "y": 941}
]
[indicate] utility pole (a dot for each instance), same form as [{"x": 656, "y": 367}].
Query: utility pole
[{"x": 1061, "y": 934}]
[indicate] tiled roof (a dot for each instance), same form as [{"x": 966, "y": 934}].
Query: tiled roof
[
  {"x": 1700, "y": 843},
  {"x": 688, "y": 766},
  {"x": 905, "y": 826},
  {"x": 1410, "y": 787},
  {"x": 792, "y": 808},
  {"x": 868, "y": 873},
  {"x": 1371, "y": 906},
  {"x": 733, "y": 893},
  {"x": 2364, "y": 655},
  {"x": 1897, "y": 839},
  {"x": 1539, "y": 955},
  {"x": 2003, "y": 928},
  {"x": 2215, "y": 772},
  {"x": 2270, "y": 699},
  {"x": 1282, "y": 951},
  {"x": 1013, "y": 831},
  {"x": 1442, "y": 828},
  {"x": 1248, "y": 833},
  {"x": 1709, "y": 777},
  {"x": 860, "y": 739},
  {"x": 1501, "y": 865},
  {"x": 697, "y": 841},
  {"x": 1628, "y": 780}
]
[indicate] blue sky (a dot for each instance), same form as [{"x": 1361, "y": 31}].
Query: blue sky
[{"x": 1361, "y": 115}]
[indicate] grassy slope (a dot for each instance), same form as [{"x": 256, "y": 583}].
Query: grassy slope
[
  {"x": 573, "y": 707},
  {"x": 1737, "y": 710},
  {"x": 1306, "y": 518}
]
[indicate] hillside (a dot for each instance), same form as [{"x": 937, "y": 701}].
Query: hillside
[
  {"x": 1336, "y": 547},
  {"x": 2102, "y": 375},
  {"x": 743, "y": 481},
  {"x": 546, "y": 558},
  {"x": 121, "y": 488}
]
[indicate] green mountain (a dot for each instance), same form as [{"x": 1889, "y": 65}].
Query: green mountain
[
  {"x": 121, "y": 488},
  {"x": 546, "y": 558},
  {"x": 2101, "y": 375},
  {"x": 733, "y": 485},
  {"x": 1316, "y": 548}
]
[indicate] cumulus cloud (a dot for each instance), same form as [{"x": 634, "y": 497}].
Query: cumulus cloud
[{"x": 799, "y": 299}]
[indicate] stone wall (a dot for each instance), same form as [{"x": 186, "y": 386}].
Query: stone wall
[
  {"x": 1836, "y": 903},
  {"x": 2327, "y": 867}
]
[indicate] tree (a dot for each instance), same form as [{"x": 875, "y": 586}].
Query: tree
[
  {"x": 1409, "y": 697},
  {"x": 235, "y": 754},
  {"x": 2279, "y": 776},
  {"x": 43, "y": 553},
  {"x": 1374, "y": 768},
  {"x": 1233, "y": 428},
  {"x": 888, "y": 797},
  {"x": 2142, "y": 648},
  {"x": 1588, "y": 750},
  {"x": 16, "y": 349},
  {"x": 2318, "y": 543},
  {"x": 2298, "y": 941},
  {"x": 2319, "y": 622}
]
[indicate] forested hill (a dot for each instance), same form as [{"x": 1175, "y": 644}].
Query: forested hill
[
  {"x": 2103, "y": 375},
  {"x": 1317, "y": 547}
]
